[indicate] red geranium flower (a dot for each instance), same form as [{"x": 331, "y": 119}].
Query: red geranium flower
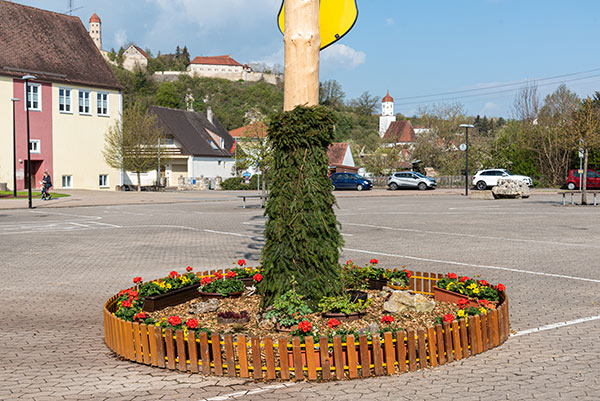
[
  {"x": 122, "y": 292},
  {"x": 205, "y": 280},
  {"x": 484, "y": 302},
  {"x": 305, "y": 326},
  {"x": 141, "y": 315},
  {"x": 191, "y": 323},
  {"x": 484, "y": 283},
  {"x": 189, "y": 268},
  {"x": 174, "y": 320},
  {"x": 137, "y": 280},
  {"x": 463, "y": 279},
  {"x": 387, "y": 319},
  {"x": 452, "y": 275},
  {"x": 133, "y": 294},
  {"x": 257, "y": 277},
  {"x": 348, "y": 262},
  {"x": 173, "y": 274},
  {"x": 241, "y": 262},
  {"x": 501, "y": 287},
  {"x": 126, "y": 304},
  {"x": 463, "y": 302},
  {"x": 219, "y": 276},
  {"x": 448, "y": 317},
  {"x": 408, "y": 274},
  {"x": 230, "y": 275},
  {"x": 333, "y": 323},
  {"x": 373, "y": 261}
]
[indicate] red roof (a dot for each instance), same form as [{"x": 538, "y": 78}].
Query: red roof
[
  {"x": 216, "y": 60},
  {"x": 141, "y": 51},
  {"x": 94, "y": 18},
  {"x": 255, "y": 130},
  {"x": 400, "y": 131},
  {"x": 387, "y": 98},
  {"x": 336, "y": 152}
]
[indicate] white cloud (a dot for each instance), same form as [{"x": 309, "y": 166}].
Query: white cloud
[
  {"x": 276, "y": 58},
  {"x": 390, "y": 21},
  {"x": 490, "y": 108},
  {"x": 342, "y": 55},
  {"x": 120, "y": 37}
]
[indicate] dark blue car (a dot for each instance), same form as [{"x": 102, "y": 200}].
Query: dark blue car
[{"x": 350, "y": 181}]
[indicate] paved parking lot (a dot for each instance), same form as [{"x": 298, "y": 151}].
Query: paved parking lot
[{"x": 59, "y": 265}]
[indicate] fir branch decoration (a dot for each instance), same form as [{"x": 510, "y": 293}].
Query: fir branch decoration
[{"x": 302, "y": 237}]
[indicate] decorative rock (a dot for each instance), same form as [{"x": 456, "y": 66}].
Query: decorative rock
[
  {"x": 386, "y": 289},
  {"x": 508, "y": 188},
  {"x": 250, "y": 290},
  {"x": 209, "y": 305},
  {"x": 402, "y": 301},
  {"x": 372, "y": 328}
]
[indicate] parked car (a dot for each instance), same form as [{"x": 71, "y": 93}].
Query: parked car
[
  {"x": 350, "y": 181},
  {"x": 484, "y": 179},
  {"x": 410, "y": 179},
  {"x": 592, "y": 181}
]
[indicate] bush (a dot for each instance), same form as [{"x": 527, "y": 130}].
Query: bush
[{"x": 236, "y": 184}]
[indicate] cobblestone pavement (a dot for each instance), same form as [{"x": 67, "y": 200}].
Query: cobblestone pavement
[{"x": 58, "y": 266}]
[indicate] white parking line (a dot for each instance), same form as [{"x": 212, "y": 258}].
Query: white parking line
[
  {"x": 555, "y": 326},
  {"x": 249, "y": 392},
  {"x": 449, "y": 262},
  {"x": 412, "y": 230}
]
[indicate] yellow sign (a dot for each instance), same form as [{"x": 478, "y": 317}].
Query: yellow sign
[{"x": 336, "y": 18}]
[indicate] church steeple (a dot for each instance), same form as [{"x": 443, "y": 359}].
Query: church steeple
[
  {"x": 96, "y": 30},
  {"x": 387, "y": 114}
]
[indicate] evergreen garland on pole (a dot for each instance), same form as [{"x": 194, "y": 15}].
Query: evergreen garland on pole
[{"x": 302, "y": 237}]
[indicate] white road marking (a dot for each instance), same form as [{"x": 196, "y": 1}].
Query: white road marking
[
  {"x": 412, "y": 230},
  {"x": 555, "y": 326},
  {"x": 249, "y": 392},
  {"x": 449, "y": 262}
]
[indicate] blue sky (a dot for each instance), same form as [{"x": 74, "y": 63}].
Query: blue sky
[{"x": 412, "y": 48}]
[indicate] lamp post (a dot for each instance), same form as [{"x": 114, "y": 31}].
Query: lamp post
[
  {"x": 28, "y": 99},
  {"x": 466, "y": 127},
  {"x": 14, "y": 100}
]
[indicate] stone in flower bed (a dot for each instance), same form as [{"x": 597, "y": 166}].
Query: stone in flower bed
[{"x": 403, "y": 301}]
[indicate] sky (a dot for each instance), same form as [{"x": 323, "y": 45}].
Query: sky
[{"x": 423, "y": 52}]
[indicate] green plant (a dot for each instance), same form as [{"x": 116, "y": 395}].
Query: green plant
[
  {"x": 302, "y": 237},
  {"x": 288, "y": 309},
  {"x": 399, "y": 277},
  {"x": 223, "y": 285},
  {"x": 173, "y": 282},
  {"x": 354, "y": 277},
  {"x": 342, "y": 304},
  {"x": 470, "y": 287}
]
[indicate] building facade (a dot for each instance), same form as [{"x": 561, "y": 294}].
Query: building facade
[
  {"x": 72, "y": 101},
  {"x": 387, "y": 114}
]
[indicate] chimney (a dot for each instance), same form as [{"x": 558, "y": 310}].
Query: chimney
[{"x": 209, "y": 115}]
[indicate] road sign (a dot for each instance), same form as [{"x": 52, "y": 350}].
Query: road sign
[
  {"x": 463, "y": 147},
  {"x": 580, "y": 153},
  {"x": 580, "y": 171},
  {"x": 336, "y": 18}
]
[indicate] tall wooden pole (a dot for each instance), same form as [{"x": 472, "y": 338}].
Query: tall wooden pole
[{"x": 302, "y": 45}]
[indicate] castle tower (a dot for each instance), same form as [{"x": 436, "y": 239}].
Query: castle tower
[
  {"x": 387, "y": 114},
  {"x": 96, "y": 30}
]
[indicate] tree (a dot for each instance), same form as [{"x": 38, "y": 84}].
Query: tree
[
  {"x": 365, "y": 104},
  {"x": 167, "y": 96},
  {"x": 331, "y": 94},
  {"x": 586, "y": 125},
  {"x": 133, "y": 143},
  {"x": 383, "y": 161},
  {"x": 526, "y": 105}
]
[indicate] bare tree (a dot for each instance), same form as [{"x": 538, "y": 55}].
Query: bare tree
[
  {"x": 526, "y": 106},
  {"x": 133, "y": 144},
  {"x": 365, "y": 104}
]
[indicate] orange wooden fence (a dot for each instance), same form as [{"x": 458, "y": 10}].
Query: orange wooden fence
[{"x": 285, "y": 358}]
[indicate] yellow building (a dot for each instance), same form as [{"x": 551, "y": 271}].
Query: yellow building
[{"x": 73, "y": 98}]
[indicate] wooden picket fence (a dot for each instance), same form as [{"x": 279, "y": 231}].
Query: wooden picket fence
[{"x": 287, "y": 358}]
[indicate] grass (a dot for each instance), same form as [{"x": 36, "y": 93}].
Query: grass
[{"x": 25, "y": 194}]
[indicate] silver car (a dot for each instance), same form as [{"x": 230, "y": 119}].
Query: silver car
[{"x": 410, "y": 179}]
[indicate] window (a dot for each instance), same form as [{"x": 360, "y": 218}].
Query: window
[
  {"x": 64, "y": 100},
  {"x": 222, "y": 143},
  {"x": 67, "y": 181},
  {"x": 102, "y": 103},
  {"x": 34, "y": 145},
  {"x": 84, "y": 102},
  {"x": 212, "y": 145},
  {"x": 103, "y": 181},
  {"x": 34, "y": 96}
]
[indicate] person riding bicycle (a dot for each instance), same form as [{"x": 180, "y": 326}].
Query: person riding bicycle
[{"x": 46, "y": 185}]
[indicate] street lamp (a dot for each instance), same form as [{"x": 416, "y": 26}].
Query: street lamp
[
  {"x": 466, "y": 127},
  {"x": 14, "y": 100},
  {"x": 28, "y": 99}
]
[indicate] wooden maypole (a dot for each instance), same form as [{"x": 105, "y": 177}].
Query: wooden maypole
[{"x": 302, "y": 45}]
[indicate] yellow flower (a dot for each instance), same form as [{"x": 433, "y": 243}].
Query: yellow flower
[
  {"x": 169, "y": 286},
  {"x": 476, "y": 290},
  {"x": 461, "y": 313},
  {"x": 472, "y": 286},
  {"x": 483, "y": 310}
]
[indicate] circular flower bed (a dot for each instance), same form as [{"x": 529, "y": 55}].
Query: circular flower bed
[{"x": 237, "y": 339}]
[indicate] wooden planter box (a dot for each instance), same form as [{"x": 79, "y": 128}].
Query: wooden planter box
[
  {"x": 156, "y": 302},
  {"x": 441, "y": 295},
  {"x": 248, "y": 281},
  {"x": 208, "y": 295},
  {"x": 376, "y": 284},
  {"x": 342, "y": 317}
]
